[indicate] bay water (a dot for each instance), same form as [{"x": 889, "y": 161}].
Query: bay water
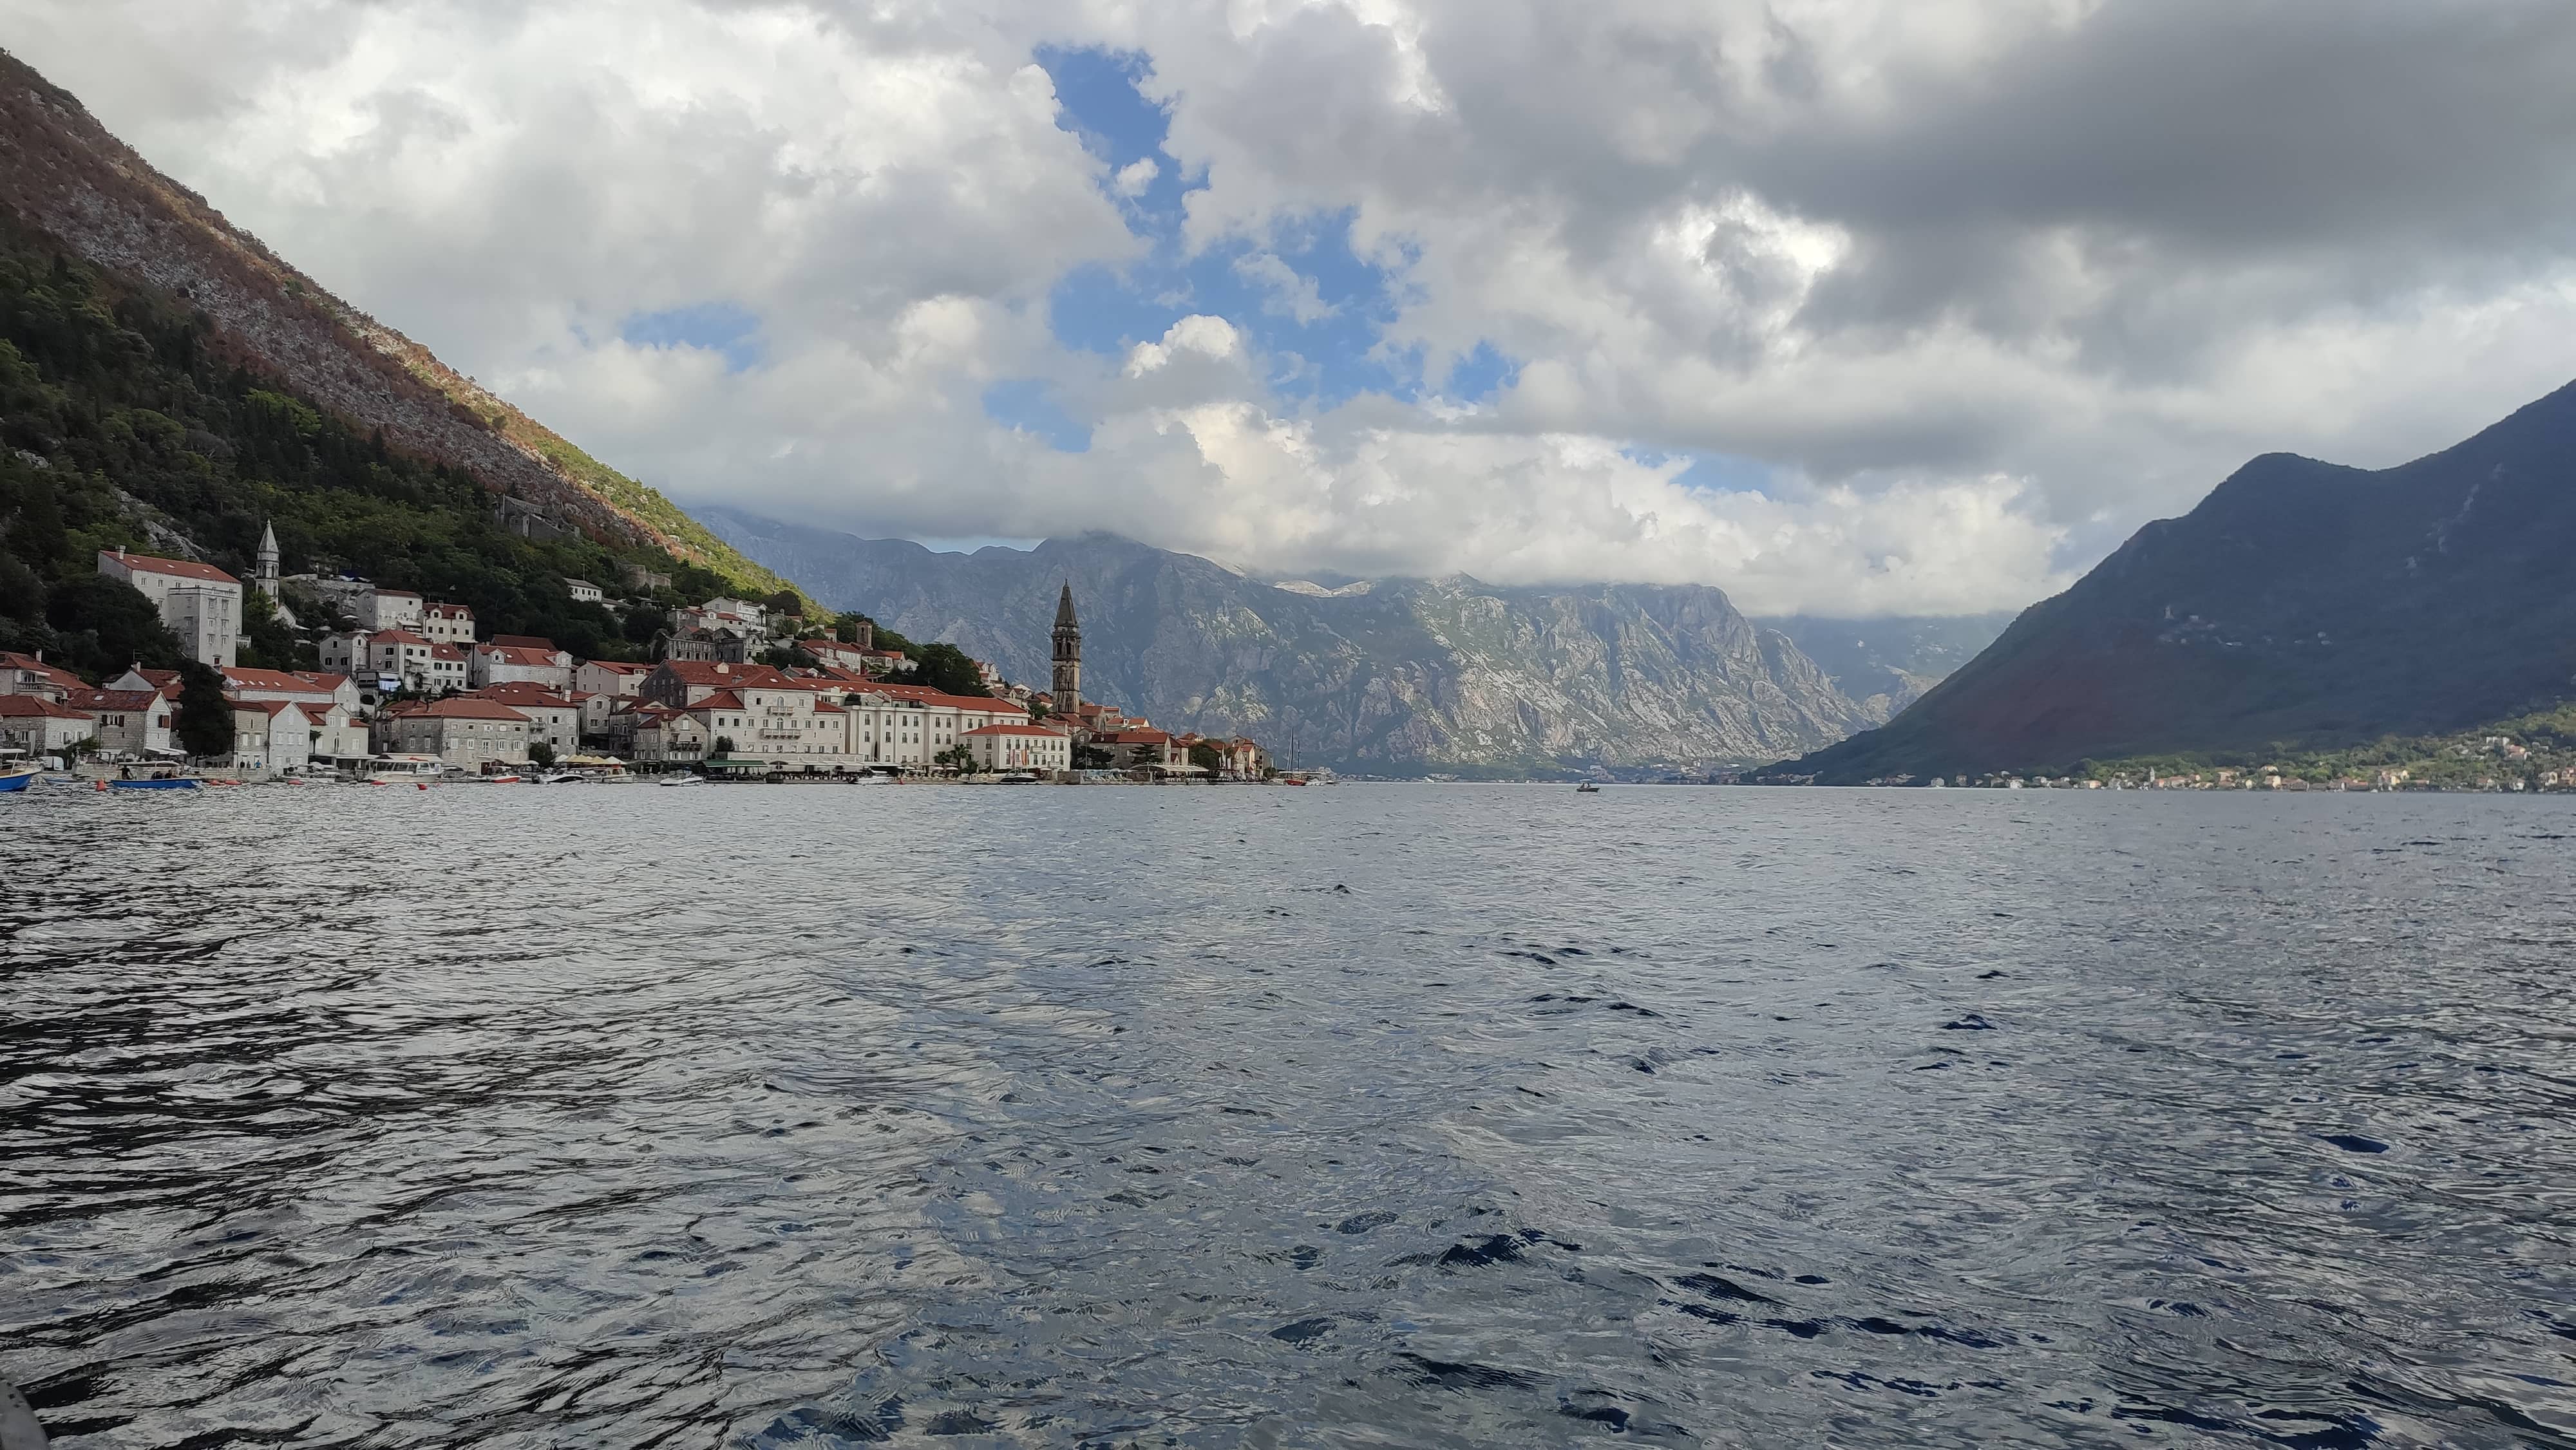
[{"x": 1363, "y": 1115}]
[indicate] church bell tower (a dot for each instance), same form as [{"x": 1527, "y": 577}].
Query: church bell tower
[{"x": 1067, "y": 690}]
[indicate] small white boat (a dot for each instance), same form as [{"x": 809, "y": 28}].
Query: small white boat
[{"x": 684, "y": 780}]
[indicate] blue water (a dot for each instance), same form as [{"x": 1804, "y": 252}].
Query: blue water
[{"x": 1370, "y": 1115}]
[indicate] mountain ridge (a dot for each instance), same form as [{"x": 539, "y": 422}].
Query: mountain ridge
[
  {"x": 2301, "y": 603},
  {"x": 1405, "y": 675}
]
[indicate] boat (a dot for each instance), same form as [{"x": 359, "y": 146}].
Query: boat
[
  {"x": 684, "y": 780},
  {"x": 1587, "y": 788},
  {"x": 163, "y": 782},
  {"x": 17, "y": 779}
]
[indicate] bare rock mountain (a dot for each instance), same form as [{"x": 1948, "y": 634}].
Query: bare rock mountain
[{"x": 1392, "y": 676}]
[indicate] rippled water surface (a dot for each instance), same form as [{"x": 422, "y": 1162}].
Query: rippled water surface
[{"x": 1403, "y": 1116}]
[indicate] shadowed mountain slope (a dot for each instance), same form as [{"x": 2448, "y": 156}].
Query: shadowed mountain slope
[{"x": 2301, "y": 604}]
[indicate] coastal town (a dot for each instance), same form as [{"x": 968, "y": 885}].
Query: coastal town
[{"x": 406, "y": 688}]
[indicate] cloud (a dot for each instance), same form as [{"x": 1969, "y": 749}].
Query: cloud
[
  {"x": 1132, "y": 178},
  {"x": 1966, "y": 289},
  {"x": 1289, "y": 293}
]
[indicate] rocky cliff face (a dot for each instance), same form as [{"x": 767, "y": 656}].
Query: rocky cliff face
[
  {"x": 1396, "y": 676},
  {"x": 62, "y": 172}
]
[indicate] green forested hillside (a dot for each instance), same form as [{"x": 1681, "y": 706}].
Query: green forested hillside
[{"x": 119, "y": 410}]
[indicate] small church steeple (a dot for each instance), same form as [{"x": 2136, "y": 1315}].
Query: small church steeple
[
  {"x": 1067, "y": 691},
  {"x": 267, "y": 570}
]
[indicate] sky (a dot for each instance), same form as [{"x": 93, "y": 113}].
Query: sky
[{"x": 1914, "y": 307}]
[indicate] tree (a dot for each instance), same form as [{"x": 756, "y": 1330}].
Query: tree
[
  {"x": 722, "y": 749},
  {"x": 948, "y": 669},
  {"x": 787, "y": 602},
  {"x": 957, "y": 758},
  {"x": 1093, "y": 757},
  {"x": 1207, "y": 757},
  {"x": 541, "y": 754},
  {"x": 845, "y": 628},
  {"x": 788, "y": 656},
  {"x": 106, "y": 624},
  {"x": 268, "y": 642},
  {"x": 205, "y": 723}
]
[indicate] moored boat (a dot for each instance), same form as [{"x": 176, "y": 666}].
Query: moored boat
[
  {"x": 159, "y": 782},
  {"x": 17, "y": 779}
]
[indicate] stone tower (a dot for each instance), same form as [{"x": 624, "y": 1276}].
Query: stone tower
[
  {"x": 267, "y": 561},
  {"x": 1067, "y": 691}
]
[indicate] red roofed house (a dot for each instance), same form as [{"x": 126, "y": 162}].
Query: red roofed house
[
  {"x": 329, "y": 701},
  {"x": 788, "y": 724},
  {"x": 517, "y": 660},
  {"x": 129, "y": 722},
  {"x": 447, "y": 624},
  {"x": 459, "y": 730},
  {"x": 201, "y": 604},
  {"x": 1020, "y": 747},
  {"x": 28, "y": 675},
  {"x": 40, "y": 725},
  {"x": 553, "y": 716},
  {"x": 271, "y": 735},
  {"x": 606, "y": 686},
  {"x": 677, "y": 684},
  {"x": 653, "y": 735},
  {"x": 407, "y": 658},
  {"x": 1129, "y": 749},
  {"x": 909, "y": 725}
]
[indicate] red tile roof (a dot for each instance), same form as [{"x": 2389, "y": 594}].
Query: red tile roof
[
  {"x": 54, "y": 675},
  {"x": 179, "y": 568},
  {"x": 720, "y": 700},
  {"x": 528, "y": 655},
  {"x": 299, "y": 683},
  {"x": 1016, "y": 730},
  {"x": 460, "y": 707},
  {"x": 30, "y": 706},
  {"x": 94, "y": 701},
  {"x": 529, "y": 693},
  {"x": 525, "y": 641},
  {"x": 722, "y": 676},
  {"x": 446, "y": 652},
  {"x": 395, "y": 636}
]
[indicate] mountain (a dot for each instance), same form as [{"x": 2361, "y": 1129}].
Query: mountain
[
  {"x": 85, "y": 192},
  {"x": 1888, "y": 664},
  {"x": 1393, "y": 676},
  {"x": 2301, "y": 605}
]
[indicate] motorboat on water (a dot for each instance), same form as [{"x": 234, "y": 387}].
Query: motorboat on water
[
  {"x": 18, "y": 778},
  {"x": 684, "y": 780},
  {"x": 1587, "y": 788},
  {"x": 157, "y": 782}
]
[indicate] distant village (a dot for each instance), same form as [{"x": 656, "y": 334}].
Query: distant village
[{"x": 407, "y": 688}]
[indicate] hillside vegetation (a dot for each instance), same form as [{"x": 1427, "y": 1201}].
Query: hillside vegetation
[
  {"x": 123, "y": 421},
  {"x": 93, "y": 200}
]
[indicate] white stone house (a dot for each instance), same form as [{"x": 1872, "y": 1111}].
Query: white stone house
[
  {"x": 1019, "y": 747},
  {"x": 133, "y": 722},
  {"x": 583, "y": 591},
  {"x": 201, "y": 604},
  {"x": 519, "y": 661},
  {"x": 330, "y": 703},
  {"x": 460, "y": 731},
  {"x": 656, "y": 736},
  {"x": 41, "y": 725},
  {"x": 29, "y": 675},
  {"x": 553, "y": 717},
  {"x": 271, "y": 735},
  {"x": 447, "y": 624},
  {"x": 605, "y": 687}
]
